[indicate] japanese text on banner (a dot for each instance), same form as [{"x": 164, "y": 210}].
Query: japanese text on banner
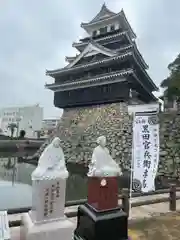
[{"x": 145, "y": 151}]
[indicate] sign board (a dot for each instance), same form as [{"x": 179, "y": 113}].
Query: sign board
[
  {"x": 132, "y": 109},
  {"x": 145, "y": 151}
]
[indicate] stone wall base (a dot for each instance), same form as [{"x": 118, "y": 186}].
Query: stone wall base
[{"x": 80, "y": 128}]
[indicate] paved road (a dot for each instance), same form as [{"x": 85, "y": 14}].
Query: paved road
[{"x": 136, "y": 212}]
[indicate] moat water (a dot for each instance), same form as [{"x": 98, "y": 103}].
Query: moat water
[{"x": 15, "y": 184}]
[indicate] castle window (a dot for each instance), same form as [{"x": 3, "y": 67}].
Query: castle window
[
  {"x": 112, "y": 27},
  {"x": 94, "y": 33},
  {"x": 106, "y": 89},
  {"x": 103, "y": 30}
]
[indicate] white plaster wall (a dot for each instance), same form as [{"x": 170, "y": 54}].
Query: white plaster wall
[{"x": 107, "y": 23}]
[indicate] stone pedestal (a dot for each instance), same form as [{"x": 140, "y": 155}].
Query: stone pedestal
[
  {"x": 105, "y": 225},
  {"x": 48, "y": 199},
  {"x": 101, "y": 218},
  {"x": 55, "y": 230},
  {"x": 46, "y": 220},
  {"x": 103, "y": 192}
]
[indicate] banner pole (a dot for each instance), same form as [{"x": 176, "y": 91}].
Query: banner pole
[{"x": 131, "y": 175}]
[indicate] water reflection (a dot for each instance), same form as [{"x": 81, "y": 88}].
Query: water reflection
[
  {"x": 8, "y": 168},
  {"x": 14, "y": 196}
]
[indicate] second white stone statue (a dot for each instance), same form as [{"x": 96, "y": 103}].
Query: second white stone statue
[{"x": 102, "y": 164}]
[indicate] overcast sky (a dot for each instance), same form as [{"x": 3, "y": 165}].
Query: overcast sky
[{"x": 38, "y": 34}]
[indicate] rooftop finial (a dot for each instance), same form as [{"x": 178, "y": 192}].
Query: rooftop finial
[
  {"x": 104, "y": 6},
  {"x": 103, "y": 13}
]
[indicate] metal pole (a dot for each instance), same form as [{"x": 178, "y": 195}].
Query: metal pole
[
  {"x": 17, "y": 129},
  {"x": 14, "y": 172},
  {"x": 131, "y": 176}
]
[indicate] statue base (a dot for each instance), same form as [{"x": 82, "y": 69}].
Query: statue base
[
  {"x": 105, "y": 225},
  {"x": 103, "y": 192},
  {"x": 56, "y": 229}
]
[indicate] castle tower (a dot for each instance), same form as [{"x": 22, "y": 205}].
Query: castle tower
[
  {"x": 96, "y": 84},
  {"x": 107, "y": 67}
]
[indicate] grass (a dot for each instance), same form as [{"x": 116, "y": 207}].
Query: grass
[{"x": 165, "y": 227}]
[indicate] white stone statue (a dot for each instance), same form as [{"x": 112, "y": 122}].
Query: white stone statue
[
  {"x": 102, "y": 163},
  {"x": 51, "y": 163}
]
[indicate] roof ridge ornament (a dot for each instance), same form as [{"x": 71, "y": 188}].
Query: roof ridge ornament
[
  {"x": 102, "y": 14},
  {"x": 104, "y": 7}
]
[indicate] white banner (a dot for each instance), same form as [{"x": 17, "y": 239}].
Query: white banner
[{"x": 145, "y": 156}]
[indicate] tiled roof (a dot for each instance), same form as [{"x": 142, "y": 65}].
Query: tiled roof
[
  {"x": 92, "y": 45},
  {"x": 97, "y": 78},
  {"x": 106, "y": 14},
  {"x": 121, "y": 56},
  {"x": 106, "y": 60},
  {"x": 103, "y": 48},
  {"x": 119, "y": 50},
  {"x": 103, "y": 13},
  {"x": 101, "y": 39}
]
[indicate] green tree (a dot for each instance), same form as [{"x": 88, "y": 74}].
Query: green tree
[
  {"x": 172, "y": 83},
  {"x": 12, "y": 127}
]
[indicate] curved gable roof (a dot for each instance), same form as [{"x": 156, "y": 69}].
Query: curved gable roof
[
  {"x": 92, "y": 46},
  {"x": 103, "y": 13},
  {"x": 106, "y": 14}
]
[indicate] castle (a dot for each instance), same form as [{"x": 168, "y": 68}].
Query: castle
[{"x": 96, "y": 86}]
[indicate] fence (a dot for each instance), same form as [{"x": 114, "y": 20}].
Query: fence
[
  {"x": 171, "y": 198},
  {"x": 125, "y": 202}
]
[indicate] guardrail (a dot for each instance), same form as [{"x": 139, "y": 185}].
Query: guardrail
[
  {"x": 18, "y": 145},
  {"x": 171, "y": 198},
  {"x": 125, "y": 202}
]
